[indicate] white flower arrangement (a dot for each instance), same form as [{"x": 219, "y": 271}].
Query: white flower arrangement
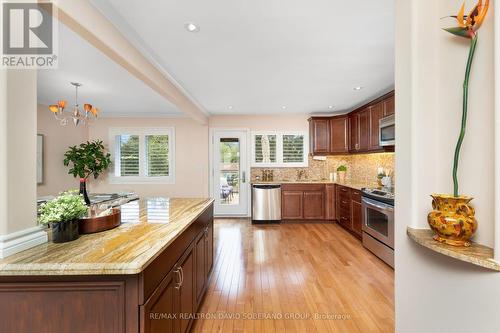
[{"x": 66, "y": 207}]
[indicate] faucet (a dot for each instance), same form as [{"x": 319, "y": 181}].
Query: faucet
[{"x": 300, "y": 173}]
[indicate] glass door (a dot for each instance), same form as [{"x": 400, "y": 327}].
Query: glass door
[{"x": 230, "y": 176}]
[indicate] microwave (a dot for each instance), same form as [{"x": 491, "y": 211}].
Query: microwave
[{"x": 387, "y": 131}]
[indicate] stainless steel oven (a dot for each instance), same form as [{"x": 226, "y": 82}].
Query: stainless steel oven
[
  {"x": 378, "y": 228},
  {"x": 387, "y": 131}
]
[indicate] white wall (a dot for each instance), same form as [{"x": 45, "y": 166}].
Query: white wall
[
  {"x": 191, "y": 157},
  {"x": 57, "y": 139},
  {"x": 435, "y": 293}
]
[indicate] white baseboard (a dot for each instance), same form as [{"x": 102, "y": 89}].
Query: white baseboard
[{"x": 22, "y": 240}]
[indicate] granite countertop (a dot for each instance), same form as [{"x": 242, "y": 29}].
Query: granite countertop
[
  {"x": 355, "y": 184},
  {"x": 148, "y": 227}
]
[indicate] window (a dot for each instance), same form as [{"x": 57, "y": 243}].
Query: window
[
  {"x": 270, "y": 145},
  {"x": 142, "y": 155},
  {"x": 279, "y": 149},
  {"x": 293, "y": 148}
]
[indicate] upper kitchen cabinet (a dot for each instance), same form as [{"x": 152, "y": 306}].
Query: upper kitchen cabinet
[
  {"x": 359, "y": 130},
  {"x": 319, "y": 135},
  {"x": 355, "y": 132},
  {"x": 389, "y": 108},
  {"x": 339, "y": 135},
  {"x": 376, "y": 113}
]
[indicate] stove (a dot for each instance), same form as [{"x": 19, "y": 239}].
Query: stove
[
  {"x": 383, "y": 194},
  {"x": 378, "y": 222}
]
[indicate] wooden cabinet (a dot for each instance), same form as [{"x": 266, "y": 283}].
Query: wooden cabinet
[
  {"x": 359, "y": 131},
  {"x": 201, "y": 257},
  {"x": 364, "y": 129},
  {"x": 343, "y": 201},
  {"x": 209, "y": 251},
  {"x": 356, "y": 132},
  {"x": 174, "y": 295},
  {"x": 339, "y": 130},
  {"x": 314, "y": 204},
  {"x": 303, "y": 202},
  {"x": 356, "y": 213},
  {"x": 186, "y": 290},
  {"x": 376, "y": 113},
  {"x": 389, "y": 105},
  {"x": 330, "y": 202},
  {"x": 163, "y": 301},
  {"x": 291, "y": 204},
  {"x": 348, "y": 214},
  {"x": 319, "y": 136},
  {"x": 204, "y": 261}
]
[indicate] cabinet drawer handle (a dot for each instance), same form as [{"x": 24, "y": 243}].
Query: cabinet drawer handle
[
  {"x": 344, "y": 202},
  {"x": 179, "y": 279},
  {"x": 343, "y": 189},
  {"x": 182, "y": 275}
]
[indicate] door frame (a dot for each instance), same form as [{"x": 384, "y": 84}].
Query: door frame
[{"x": 246, "y": 168}]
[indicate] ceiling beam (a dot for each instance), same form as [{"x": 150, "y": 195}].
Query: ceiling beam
[{"x": 88, "y": 22}]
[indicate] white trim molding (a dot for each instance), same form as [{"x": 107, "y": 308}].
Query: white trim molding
[{"x": 22, "y": 240}]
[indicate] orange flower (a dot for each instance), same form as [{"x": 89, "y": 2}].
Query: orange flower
[
  {"x": 53, "y": 108},
  {"x": 468, "y": 25},
  {"x": 94, "y": 111}
]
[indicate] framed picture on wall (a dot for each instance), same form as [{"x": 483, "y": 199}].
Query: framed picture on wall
[{"x": 39, "y": 158}]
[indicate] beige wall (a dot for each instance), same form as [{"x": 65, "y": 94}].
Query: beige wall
[
  {"x": 18, "y": 150},
  {"x": 430, "y": 66},
  {"x": 191, "y": 157},
  {"x": 57, "y": 139}
]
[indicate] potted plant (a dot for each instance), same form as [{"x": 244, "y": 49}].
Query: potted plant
[
  {"x": 341, "y": 171},
  {"x": 380, "y": 175},
  {"x": 62, "y": 214},
  {"x": 453, "y": 218},
  {"x": 87, "y": 159}
]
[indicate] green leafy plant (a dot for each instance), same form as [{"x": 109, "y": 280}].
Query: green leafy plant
[
  {"x": 66, "y": 207},
  {"x": 89, "y": 158},
  {"x": 341, "y": 168}
]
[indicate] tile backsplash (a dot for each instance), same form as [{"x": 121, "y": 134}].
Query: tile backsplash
[{"x": 362, "y": 167}]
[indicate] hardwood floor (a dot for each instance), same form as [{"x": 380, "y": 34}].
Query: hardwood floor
[{"x": 265, "y": 274}]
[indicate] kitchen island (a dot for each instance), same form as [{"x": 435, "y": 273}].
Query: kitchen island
[{"x": 147, "y": 275}]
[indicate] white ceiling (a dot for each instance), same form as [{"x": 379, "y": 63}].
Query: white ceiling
[
  {"x": 106, "y": 85},
  {"x": 261, "y": 55}
]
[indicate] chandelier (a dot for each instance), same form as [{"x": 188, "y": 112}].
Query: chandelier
[{"x": 63, "y": 115}]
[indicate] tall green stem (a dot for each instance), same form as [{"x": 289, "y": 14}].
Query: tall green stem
[{"x": 472, "y": 50}]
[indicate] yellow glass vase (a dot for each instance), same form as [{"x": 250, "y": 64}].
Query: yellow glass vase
[{"x": 452, "y": 219}]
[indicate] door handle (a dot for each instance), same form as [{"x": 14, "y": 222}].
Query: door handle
[{"x": 243, "y": 177}]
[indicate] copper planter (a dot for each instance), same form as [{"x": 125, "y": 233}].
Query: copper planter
[{"x": 97, "y": 224}]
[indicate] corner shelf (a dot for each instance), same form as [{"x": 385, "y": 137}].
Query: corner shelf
[{"x": 475, "y": 254}]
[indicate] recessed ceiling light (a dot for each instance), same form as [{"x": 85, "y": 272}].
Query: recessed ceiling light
[
  {"x": 283, "y": 107},
  {"x": 330, "y": 106},
  {"x": 358, "y": 88},
  {"x": 191, "y": 27},
  {"x": 230, "y": 107}
]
